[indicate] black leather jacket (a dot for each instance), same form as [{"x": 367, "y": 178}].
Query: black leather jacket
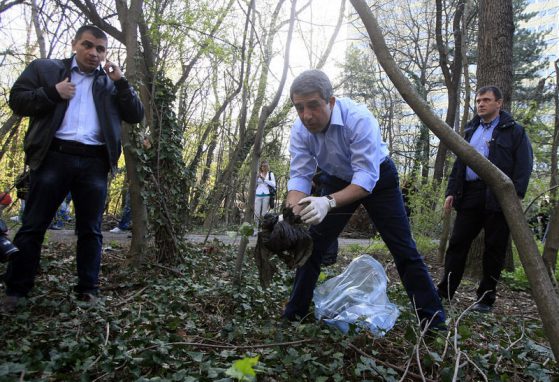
[
  {"x": 509, "y": 149},
  {"x": 34, "y": 95}
]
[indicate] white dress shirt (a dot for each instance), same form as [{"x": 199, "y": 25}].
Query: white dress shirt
[{"x": 81, "y": 122}]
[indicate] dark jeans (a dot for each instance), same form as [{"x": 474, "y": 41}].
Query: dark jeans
[
  {"x": 60, "y": 173},
  {"x": 470, "y": 219},
  {"x": 125, "y": 219},
  {"x": 386, "y": 209}
]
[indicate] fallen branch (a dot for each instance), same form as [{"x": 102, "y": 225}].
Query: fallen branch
[
  {"x": 219, "y": 346},
  {"x": 178, "y": 273},
  {"x": 131, "y": 296},
  {"x": 388, "y": 364}
]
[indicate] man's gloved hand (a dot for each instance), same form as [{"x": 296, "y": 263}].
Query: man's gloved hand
[{"x": 316, "y": 210}]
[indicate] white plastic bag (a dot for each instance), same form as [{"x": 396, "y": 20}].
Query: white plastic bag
[{"x": 357, "y": 296}]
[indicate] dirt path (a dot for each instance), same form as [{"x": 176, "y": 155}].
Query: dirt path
[{"x": 68, "y": 236}]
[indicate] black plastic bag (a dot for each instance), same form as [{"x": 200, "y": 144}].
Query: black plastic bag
[{"x": 288, "y": 239}]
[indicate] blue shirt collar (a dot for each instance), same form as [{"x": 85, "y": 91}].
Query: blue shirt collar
[
  {"x": 75, "y": 68},
  {"x": 336, "y": 118},
  {"x": 491, "y": 124}
]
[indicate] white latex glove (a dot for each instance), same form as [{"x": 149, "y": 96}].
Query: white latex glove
[{"x": 316, "y": 210}]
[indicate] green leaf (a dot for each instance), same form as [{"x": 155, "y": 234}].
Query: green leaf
[
  {"x": 196, "y": 356},
  {"x": 246, "y": 229},
  {"x": 243, "y": 368}
]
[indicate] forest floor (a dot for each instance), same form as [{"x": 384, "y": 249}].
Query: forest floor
[
  {"x": 511, "y": 302},
  {"x": 188, "y": 321}
]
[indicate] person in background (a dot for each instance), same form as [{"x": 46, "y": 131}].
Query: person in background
[
  {"x": 125, "y": 222},
  {"x": 125, "y": 218},
  {"x": 62, "y": 214},
  {"x": 76, "y": 106},
  {"x": 265, "y": 180},
  {"x": 343, "y": 139},
  {"x": 5, "y": 201},
  {"x": 497, "y": 136}
]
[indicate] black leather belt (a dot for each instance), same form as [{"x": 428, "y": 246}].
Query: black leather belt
[{"x": 78, "y": 148}]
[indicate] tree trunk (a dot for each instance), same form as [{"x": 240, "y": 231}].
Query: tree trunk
[
  {"x": 496, "y": 29},
  {"x": 452, "y": 76},
  {"x": 214, "y": 123},
  {"x": 495, "y": 37},
  {"x": 38, "y": 29},
  {"x": 264, "y": 115},
  {"x": 447, "y": 225},
  {"x": 138, "y": 244},
  {"x": 544, "y": 294},
  {"x": 552, "y": 244},
  {"x": 552, "y": 236},
  {"x": 554, "y": 181}
]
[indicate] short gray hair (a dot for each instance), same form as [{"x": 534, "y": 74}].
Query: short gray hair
[{"x": 311, "y": 81}]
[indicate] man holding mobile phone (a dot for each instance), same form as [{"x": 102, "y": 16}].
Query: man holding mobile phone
[{"x": 75, "y": 108}]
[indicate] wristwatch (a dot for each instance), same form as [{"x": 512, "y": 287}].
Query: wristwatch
[{"x": 331, "y": 201}]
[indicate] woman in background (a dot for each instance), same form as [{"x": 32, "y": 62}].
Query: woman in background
[{"x": 264, "y": 182}]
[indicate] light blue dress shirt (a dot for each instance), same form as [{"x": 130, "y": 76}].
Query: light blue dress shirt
[
  {"x": 351, "y": 148},
  {"x": 480, "y": 141},
  {"x": 81, "y": 122}
]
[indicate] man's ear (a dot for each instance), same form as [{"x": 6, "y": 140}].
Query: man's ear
[{"x": 332, "y": 102}]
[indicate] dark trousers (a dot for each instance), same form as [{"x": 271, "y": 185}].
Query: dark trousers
[
  {"x": 470, "y": 219},
  {"x": 386, "y": 209},
  {"x": 60, "y": 173},
  {"x": 126, "y": 218}
]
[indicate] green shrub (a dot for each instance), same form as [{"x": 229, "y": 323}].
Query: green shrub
[{"x": 518, "y": 280}]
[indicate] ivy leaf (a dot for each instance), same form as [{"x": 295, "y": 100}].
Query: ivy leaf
[
  {"x": 243, "y": 368},
  {"x": 246, "y": 229}
]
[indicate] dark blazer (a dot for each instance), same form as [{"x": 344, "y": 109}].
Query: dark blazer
[
  {"x": 34, "y": 95},
  {"x": 509, "y": 149}
]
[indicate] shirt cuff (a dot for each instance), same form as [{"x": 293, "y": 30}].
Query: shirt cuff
[
  {"x": 364, "y": 181},
  {"x": 299, "y": 184}
]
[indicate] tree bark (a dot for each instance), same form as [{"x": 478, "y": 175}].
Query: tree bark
[
  {"x": 495, "y": 42},
  {"x": 496, "y": 29},
  {"x": 447, "y": 224},
  {"x": 138, "y": 245},
  {"x": 546, "y": 299}
]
